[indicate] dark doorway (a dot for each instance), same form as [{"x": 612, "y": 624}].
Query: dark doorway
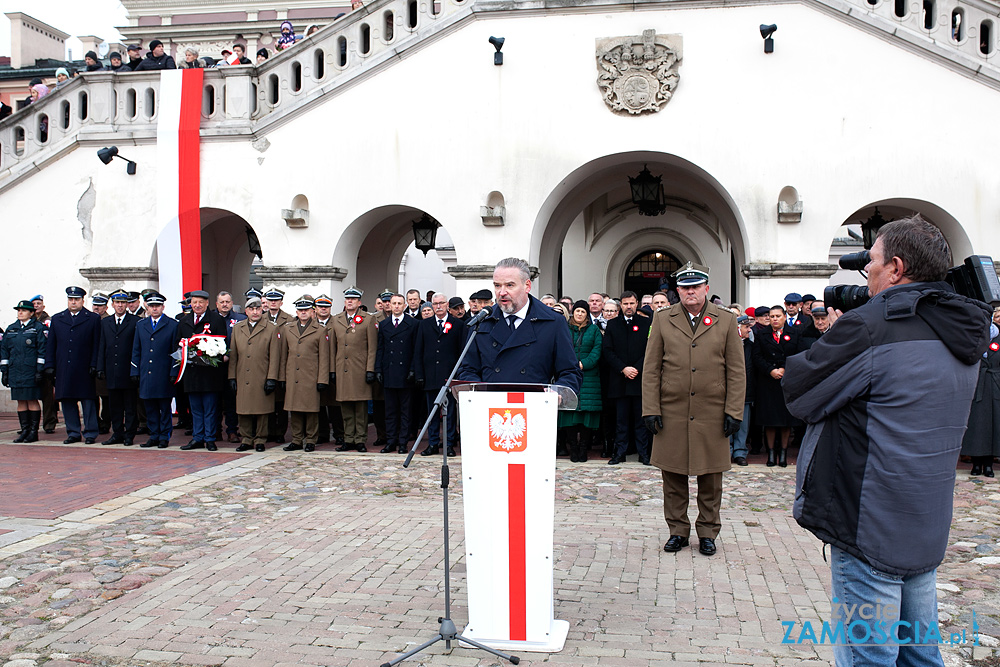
[{"x": 650, "y": 270}]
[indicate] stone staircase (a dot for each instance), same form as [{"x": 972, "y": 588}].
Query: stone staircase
[{"x": 102, "y": 108}]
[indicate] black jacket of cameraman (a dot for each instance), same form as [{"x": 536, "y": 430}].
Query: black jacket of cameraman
[{"x": 886, "y": 393}]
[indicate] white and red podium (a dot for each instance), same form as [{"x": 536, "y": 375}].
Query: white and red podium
[{"x": 508, "y": 485}]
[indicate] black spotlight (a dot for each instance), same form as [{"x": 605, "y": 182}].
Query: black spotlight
[
  {"x": 497, "y": 43},
  {"x": 107, "y": 154},
  {"x": 766, "y": 31}
]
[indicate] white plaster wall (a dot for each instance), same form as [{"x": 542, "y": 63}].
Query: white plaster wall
[{"x": 844, "y": 117}]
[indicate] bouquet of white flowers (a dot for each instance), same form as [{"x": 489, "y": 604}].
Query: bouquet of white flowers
[{"x": 201, "y": 350}]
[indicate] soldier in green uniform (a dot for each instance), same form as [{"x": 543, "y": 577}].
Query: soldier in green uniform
[
  {"x": 353, "y": 346},
  {"x": 277, "y": 424}
]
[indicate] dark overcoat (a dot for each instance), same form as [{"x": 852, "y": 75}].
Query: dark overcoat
[
  {"x": 254, "y": 358},
  {"x": 196, "y": 377},
  {"x": 436, "y": 353},
  {"x": 692, "y": 380},
  {"x": 625, "y": 345},
  {"x": 72, "y": 352},
  {"x": 114, "y": 351},
  {"x": 22, "y": 353},
  {"x": 539, "y": 351},
  {"x": 306, "y": 356},
  {"x": 151, "y": 360},
  {"x": 769, "y": 355},
  {"x": 982, "y": 437},
  {"x": 394, "y": 357}
]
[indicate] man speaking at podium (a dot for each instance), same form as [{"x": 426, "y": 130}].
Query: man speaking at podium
[{"x": 521, "y": 340}]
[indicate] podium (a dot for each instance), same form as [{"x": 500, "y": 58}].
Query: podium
[{"x": 508, "y": 487}]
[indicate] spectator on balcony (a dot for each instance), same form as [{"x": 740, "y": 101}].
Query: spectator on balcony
[
  {"x": 311, "y": 29},
  {"x": 134, "y": 57},
  {"x": 93, "y": 62},
  {"x": 191, "y": 59},
  {"x": 239, "y": 55},
  {"x": 356, "y": 4},
  {"x": 38, "y": 91},
  {"x": 5, "y": 110},
  {"x": 156, "y": 59},
  {"x": 62, "y": 77},
  {"x": 117, "y": 64},
  {"x": 262, "y": 56},
  {"x": 287, "y": 38}
]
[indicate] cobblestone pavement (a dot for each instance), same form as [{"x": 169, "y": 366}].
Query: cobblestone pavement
[{"x": 330, "y": 559}]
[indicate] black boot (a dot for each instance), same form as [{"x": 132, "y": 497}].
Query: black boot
[
  {"x": 586, "y": 440},
  {"x": 34, "y": 419},
  {"x": 782, "y": 457},
  {"x": 770, "y": 457},
  {"x": 562, "y": 437},
  {"x": 22, "y": 418}
]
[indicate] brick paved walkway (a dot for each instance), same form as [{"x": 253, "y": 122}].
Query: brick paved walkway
[{"x": 276, "y": 559}]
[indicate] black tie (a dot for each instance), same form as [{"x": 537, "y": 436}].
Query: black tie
[
  {"x": 511, "y": 321},
  {"x": 440, "y": 326}
]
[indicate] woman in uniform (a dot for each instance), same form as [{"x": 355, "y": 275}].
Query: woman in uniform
[{"x": 22, "y": 357}]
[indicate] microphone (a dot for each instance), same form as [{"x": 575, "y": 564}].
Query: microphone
[{"x": 481, "y": 315}]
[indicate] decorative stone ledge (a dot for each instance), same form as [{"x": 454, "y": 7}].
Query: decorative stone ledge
[
  {"x": 789, "y": 270},
  {"x": 120, "y": 273},
  {"x": 480, "y": 271},
  {"x": 300, "y": 274}
]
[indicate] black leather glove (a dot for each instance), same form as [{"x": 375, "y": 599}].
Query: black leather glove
[
  {"x": 101, "y": 375},
  {"x": 333, "y": 377},
  {"x": 232, "y": 386},
  {"x": 420, "y": 383},
  {"x": 93, "y": 372},
  {"x": 134, "y": 380},
  {"x": 50, "y": 373},
  {"x": 410, "y": 376},
  {"x": 731, "y": 426},
  {"x": 378, "y": 378},
  {"x": 3, "y": 379},
  {"x": 369, "y": 377},
  {"x": 270, "y": 386},
  {"x": 654, "y": 424},
  {"x": 321, "y": 386},
  {"x": 38, "y": 377}
]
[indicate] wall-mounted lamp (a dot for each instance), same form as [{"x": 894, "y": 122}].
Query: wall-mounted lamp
[
  {"x": 497, "y": 43},
  {"x": 425, "y": 233},
  {"x": 766, "y": 31},
  {"x": 108, "y": 154}
]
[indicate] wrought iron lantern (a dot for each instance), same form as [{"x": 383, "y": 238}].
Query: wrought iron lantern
[
  {"x": 647, "y": 193},
  {"x": 425, "y": 233}
]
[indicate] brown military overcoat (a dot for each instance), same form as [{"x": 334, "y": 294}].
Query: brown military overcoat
[
  {"x": 353, "y": 344},
  {"x": 307, "y": 364},
  {"x": 329, "y": 395},
  {"x": 254, "y": 358},
  {"x": 692, "y": 379}
]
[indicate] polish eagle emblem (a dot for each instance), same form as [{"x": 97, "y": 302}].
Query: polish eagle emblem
[{"x": 508, "y": 427}]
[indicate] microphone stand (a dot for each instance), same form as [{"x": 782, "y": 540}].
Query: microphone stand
[{"x": 447, "y": 632}]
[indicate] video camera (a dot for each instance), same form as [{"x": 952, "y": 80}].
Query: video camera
[{"x": 976, "y": 278}]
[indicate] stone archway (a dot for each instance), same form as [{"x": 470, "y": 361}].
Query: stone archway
[{"x": 588, "y": 230}]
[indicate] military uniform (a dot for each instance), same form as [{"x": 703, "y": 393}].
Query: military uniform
[
  {"x": 254, "y": 363},
  {"x": 353, "y": 345},
  {"x": 306, "y": 372},
  {"x": 100, "y": 385},
  {"x": 114, "y": 367},
  {"x": 329, "y": 410},
  {"x": 277, "y": 423},
  {"x": 71, "y": 355},
  {"x": 22, "y": 358}
]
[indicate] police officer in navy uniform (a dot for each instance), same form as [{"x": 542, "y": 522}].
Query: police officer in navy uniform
[
  {"x": 22, "y": 357},
  {"x": 437, "y": 346},
  {"x": 114, "y": 367},
  {"x": 394, "y": 371},
  {"x": 202, "y": 384},
  {"x": 71, "y": 358},
  {"x": 100, "y": 302},
  {"x": 154, "y": 370},
  {"x": 133, "y": 306}
]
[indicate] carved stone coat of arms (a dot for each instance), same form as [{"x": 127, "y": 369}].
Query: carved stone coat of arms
[{"x": 638, "y": 74}]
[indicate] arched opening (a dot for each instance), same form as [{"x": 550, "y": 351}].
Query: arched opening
[
  {"x": 208, "y": 101},
  {"x": 647, "y": 272},
  {"x": 296, "y": 77},
  {"x": 227, "y": 262},
  {"x": 366, "y": 39},
  {"x": 319, "y": 63},
  {"x": 377, "y": 251},
  {"x": 588, "y": 232},
  {"x": 149, "y": 103}
]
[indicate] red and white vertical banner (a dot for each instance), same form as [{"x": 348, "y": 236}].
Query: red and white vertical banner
[
  {"x": 178, "y": 138},
  {"x": 508, "y": 485}
]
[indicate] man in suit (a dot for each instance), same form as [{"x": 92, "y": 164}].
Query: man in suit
[
  {"x": 437, "y": 345},
  {"x": 154, "y": 370},
  {"x": 202, "y": 384},
  {"x": 624, "y": 349},
  {"x": 254, "y": 363},
  {"x": 71, "y": 359},
  {"x": 353, "y": 341},
  {"x": 114, "y": 367},
  {"x": 793, "y": 306},
  {"x": 523, "y": 341},
  {"x": 456, "y": 307},
  {"x": 394, "y": 371},
  {"x": 693, "y": 385},
  {"x": 413, "y": 302}
]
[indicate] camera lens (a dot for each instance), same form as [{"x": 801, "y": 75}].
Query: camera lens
[{"x": 845, "y": 297}]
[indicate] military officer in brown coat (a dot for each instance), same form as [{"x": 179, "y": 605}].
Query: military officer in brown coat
[
  {"x": 254, "y": 362},
  {"x": 329, "y": 409},
  {"x": 353, "y": 346},
  {"x": 306, "y": 373},
  {"x": 277, "y": 424},
  {"x": 693, "y": 382}
]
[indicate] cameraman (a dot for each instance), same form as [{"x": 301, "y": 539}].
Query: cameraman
[{"x": 886, "y": 394}]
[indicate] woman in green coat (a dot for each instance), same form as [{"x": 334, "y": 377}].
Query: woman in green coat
[{"x": 581, "y": 424}]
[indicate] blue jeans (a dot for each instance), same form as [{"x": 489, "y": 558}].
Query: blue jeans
[
  {"x": 894, "y": 606},
  {"x": 738, "y": 442}
]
